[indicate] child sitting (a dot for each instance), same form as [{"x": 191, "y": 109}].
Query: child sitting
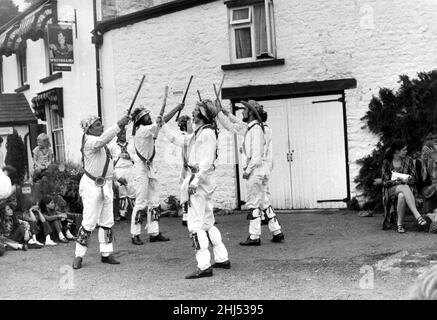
[{"x": 42, "y": 155}]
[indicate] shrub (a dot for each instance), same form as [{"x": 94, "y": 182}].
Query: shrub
[
  {"x": 408, "y": 114},
  {"x": 16, "y": 155},
  {"x": 62, "y": 181}
]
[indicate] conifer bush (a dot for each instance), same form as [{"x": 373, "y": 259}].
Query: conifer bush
[{"x": 409, "y": 114}]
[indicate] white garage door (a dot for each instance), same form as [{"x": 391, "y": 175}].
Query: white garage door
[{"x": 308, "y": 153}]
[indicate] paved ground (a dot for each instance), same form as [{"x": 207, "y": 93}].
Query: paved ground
[{"x": 321, "y": 259}]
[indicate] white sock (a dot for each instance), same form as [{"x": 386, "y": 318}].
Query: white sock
[{"x": 61, "y": 235}]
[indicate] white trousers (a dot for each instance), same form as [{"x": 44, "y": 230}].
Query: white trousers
[
  {"x": 200, "y": 224},
  {"x": 258, "y": 200},
  {"x": 97, "y": 210},
  {"x": 146, "y": 196}
]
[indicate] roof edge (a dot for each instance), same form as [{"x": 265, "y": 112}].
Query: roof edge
[{"x": 145, "y": 14}]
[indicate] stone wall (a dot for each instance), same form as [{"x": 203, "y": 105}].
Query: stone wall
[
  {"x": 371, "y": 41},
  {"x": 113, "y": 8}
]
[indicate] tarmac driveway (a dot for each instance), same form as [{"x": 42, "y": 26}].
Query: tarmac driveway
[{"x": 326, "y": 255}]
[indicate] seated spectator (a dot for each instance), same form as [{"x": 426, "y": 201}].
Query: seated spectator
[
  {"x": 14, "y": 233},
  {"x": 57, "y": 220},
  {"x": 429, "y": 172},
  {"x": 42, "y": 226},
  {"x": 42, "y": 156},
  {"x": 402, "y": 188}
]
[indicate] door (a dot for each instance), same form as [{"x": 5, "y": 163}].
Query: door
[
  {"x": 318, "y": 164},
  {"x": 309, "y": 160}
]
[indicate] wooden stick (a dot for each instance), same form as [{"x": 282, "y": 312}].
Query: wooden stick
[
  {"x": 221, "y": 83},
  {"x": 136, "y": 94},
  {"x": 161, "y": 112},
  {"x": 185, "y": 95},
  {"x": 198, "y": 93}
]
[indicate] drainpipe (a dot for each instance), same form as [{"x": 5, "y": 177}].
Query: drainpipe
[{"x": 97, "y": 40}]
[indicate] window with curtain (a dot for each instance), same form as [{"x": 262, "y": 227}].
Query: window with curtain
[
  {"x": 57, "y": 128},
  {"x": 252, "y": 32},
  {"x": 22, "y": 67}
]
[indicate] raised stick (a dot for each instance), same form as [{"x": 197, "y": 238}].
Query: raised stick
[{"x": 185, "y": 95}]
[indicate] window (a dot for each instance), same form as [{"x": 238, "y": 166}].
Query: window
[
  {"x": 22, "y": 67},
  {"x": 57, "y": 129},
  {"x": 252, "y": 32}
]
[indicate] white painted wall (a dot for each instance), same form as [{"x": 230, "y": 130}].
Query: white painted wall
[
  {"x": 79, "y": 84},
  {"x": 374, "y": 42}
]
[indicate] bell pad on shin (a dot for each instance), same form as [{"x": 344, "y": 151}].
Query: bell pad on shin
[{"x": 83, "y": 236}]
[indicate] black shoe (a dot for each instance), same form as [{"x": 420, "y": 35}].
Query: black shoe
[
  {"x": 264, "y": 222},
  {"x": 278, "y": 237},
  {"x": 77, "y": 263},
  {"x": 184, "y": 223},
  {"x": 137, "y": 241},
  {"x": 34, "y": 246},
  {"x": 200, "y": 274},
  {"x": 222, "y": 265},
  {"x": 122, "y": 218},
  {"x": 251, "y": 242},
  {"x": 63, "y": 240},
  {"x": 24, "y": 247},
  {"x": 110, "y": 259},
  {"x": 158, "y": 238}
]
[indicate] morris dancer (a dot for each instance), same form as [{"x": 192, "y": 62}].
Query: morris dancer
[
  {"x": 198, "y": 187},
  {"x": 123, "y": 168},
  {"x": 186, "y": 127},
  {"x": 145, "y": 181},
  {"x": 95, "y": 188},
  {"x": 255, "y": 170}
]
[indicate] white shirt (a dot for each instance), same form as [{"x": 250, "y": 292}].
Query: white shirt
[
  {"x": 95, "y": 154},
  {"x": 201, "y": 149},
  {"x": 144, "y": 141},
  {"x": 254, "y": 140},
  {"x": 116, "y": 148}
]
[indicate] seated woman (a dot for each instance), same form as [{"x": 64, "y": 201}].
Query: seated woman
[
  {"x": 13, "y": 234},
  {"x": 397, "y": 161},
  {"x": 57, "y": 220}
]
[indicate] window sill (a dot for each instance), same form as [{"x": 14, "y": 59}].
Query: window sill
[
  {"x": 51, "y": 77},
  {"x": 255, "y": 64},
  {"x": 23, "y": 88}
]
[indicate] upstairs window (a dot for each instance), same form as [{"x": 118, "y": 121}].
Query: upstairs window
[
  {"x": 22, "y": 67},
  {"x": 252, "y": 34}
]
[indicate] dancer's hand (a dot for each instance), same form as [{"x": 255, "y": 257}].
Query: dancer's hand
[
  {"x": 246, "y": 176},
  {"x": 122, "y": 181},
  {"x": 159, "y": 121},
  {"x": 123, "y": 121},
  {"x": 192, "y": 189}
]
